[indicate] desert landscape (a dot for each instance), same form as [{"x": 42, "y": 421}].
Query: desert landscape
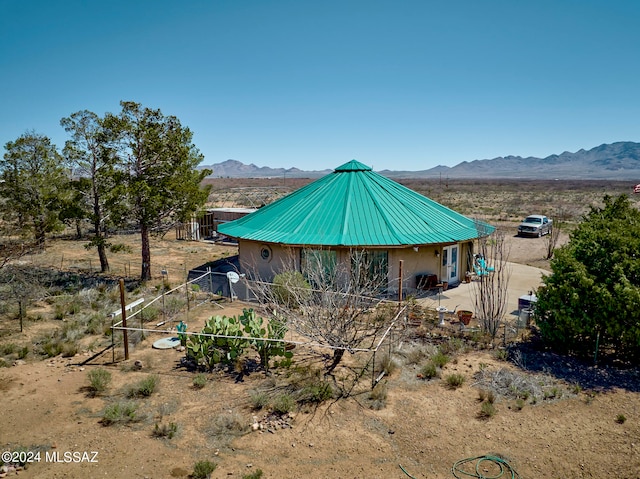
[{"x": 529, "y": 410}]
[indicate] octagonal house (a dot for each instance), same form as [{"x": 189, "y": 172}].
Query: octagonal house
[{"x": 355, "y": 208}]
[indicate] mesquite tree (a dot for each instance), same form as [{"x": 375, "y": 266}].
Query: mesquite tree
[{"x": 331, "y": 302}]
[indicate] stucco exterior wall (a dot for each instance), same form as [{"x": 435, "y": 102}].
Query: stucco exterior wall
[{"x": 265, "y": 260}]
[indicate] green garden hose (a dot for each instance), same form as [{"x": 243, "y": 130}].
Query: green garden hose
[{"x": 503, "y": 467}]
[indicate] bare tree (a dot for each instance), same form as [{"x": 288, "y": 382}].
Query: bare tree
[
  {"x": 493, "y": 283},
  {"x": 22, "y": 285},
  {"x": 332, "y": 303},
  {"x": 551, "y": 240}
]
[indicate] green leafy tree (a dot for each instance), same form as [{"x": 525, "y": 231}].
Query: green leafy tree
[
  {"x": 592, "y": 298},
  {"x": 94, "y": 159},
  {"x": 34, "y": 185},
  {"x": 158, "y": 178},
  {"x": 74, "y": 211}
]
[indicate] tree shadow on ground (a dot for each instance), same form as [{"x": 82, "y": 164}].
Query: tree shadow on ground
[{"x": 606, "y": 375}]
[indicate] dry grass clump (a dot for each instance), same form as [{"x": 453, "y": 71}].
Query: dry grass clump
[
  {"x": 228, "y": 425},
  {"x": 518, "y": 385},
  {"x": 378, "y": 396}
]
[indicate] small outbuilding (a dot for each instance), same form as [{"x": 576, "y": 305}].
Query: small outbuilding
[{"x": 355, "y": 208}]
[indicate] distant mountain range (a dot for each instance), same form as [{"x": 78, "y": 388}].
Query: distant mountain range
[{"x": 615, "y": 161}]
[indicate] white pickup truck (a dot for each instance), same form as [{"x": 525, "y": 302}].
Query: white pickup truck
[{"x": 535, "y": 225}]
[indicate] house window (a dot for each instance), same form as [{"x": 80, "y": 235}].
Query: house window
[
  {"x": 313, "y": 259},
  {"x": 370, "y": 266}
]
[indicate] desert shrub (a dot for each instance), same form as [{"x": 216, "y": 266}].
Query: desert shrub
[
  {"x": 290, "y": 288},
  {"x": 228, "y": 424},
  {"x": 22, "y": 352},
  {"x": 519, "y": 404},
  {"x": 69, "y": 349},
  {"x": 259, "y": 400},
  {"x": 452, "y": 346},
  {"x": 99, "y": 380},
  {"x": 440, "y": 359},
  {"x": 257, "y": 474},
  {"x": 387, "y": 364},
  {"x": 487, "y": 410},
  {"x": 167, "y": 431},
  {"x": 120, "y": 412},
  {"x": 429, "y": 371},
  {"x": 592, "y": 276},
  {"x": 203, "y": 469},
  {"x": 52, "y": 346},
  {"x": 166, "y": 408},
  {"x": 95, "y": 324},
  {"x": 150, "y": 313},
  {"x": 316, "y": 392},
  {"x": 486, "y": 395},
  {"x": 3, "y": 363},
  {"x": 71, "y": 331},
  {"x": 415, "y": 355},
  {"x": 199, "y": 381},
  {"x": 8, "y": 348},
  {"x": 144, "y": 388},
  {"x": 454, "y": 381},
  {"x": 378, "y": 396},
  {"x": 621, "y": 418},
  {"x": 283, "y": 403},
  {"x": 501, "y": 354}
]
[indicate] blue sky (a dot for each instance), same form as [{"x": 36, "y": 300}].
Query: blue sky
[{"x": 398, "y": 84}]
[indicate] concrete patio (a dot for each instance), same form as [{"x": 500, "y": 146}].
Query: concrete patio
[{"x": 522, "y": 280}]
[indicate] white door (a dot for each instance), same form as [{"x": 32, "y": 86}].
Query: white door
[{"x": 450, "y": 263}]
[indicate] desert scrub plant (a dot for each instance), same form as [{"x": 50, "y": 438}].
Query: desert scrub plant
[
  {"x": 487, "y": 410},
  {"x": 415, "y": 355},
  {"x": 99, "y": 380},
  {"x": 203, "y": 469},
  {"x": 150, "y": 313},
  {"x": 228, "y": 424},
  {"x": 454, "y": 381},
  {"x": 8, "y": 348},
  {"x": 501, "y": 354},
  {"x": 378, "y": 396},
  {"x": 452, "y": 346},
  {"x": 621, "y": 418},
  {"x": 440, "y": 359},
  {"x": 95, "y": 324},
  {"x": 143, "y": 388},
  {"x": 429, "y": 371},
  {"x": 257, "y": 474},
  {"x": 167, "y": 431},
  {"x": 486, "y": 395},
  {"x": 121, "y": 412},
  {"x": 283, "y": 403},
  {"x": 315, "y": 393},
  {"x": 291, "y": 287},
  {"x": 199, "y": 381},
  {"x": 259, "y": 400},
  {"x": 387, "y": 364}
]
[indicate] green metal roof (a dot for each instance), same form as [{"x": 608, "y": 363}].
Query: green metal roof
[{"x": 355, "y": 206}]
